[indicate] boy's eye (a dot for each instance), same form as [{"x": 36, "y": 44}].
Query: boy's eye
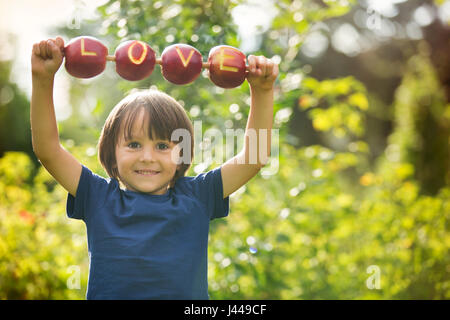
[
  {"x": 134, "y": 145},
  {"x": 162, "y": 146}
]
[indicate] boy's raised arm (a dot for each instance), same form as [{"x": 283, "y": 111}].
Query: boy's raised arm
[
  {"x": 244, "y": 166},
  {"x": 46, "y": 59}
]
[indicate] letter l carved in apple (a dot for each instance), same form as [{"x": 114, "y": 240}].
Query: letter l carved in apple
[{"x": 85, "y": 57}]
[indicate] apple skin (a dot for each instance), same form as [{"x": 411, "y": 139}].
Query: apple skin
[
  {"x": 85, "y": 57},
  {"x": 137, "y": 67},
  {"x": 227, "y": 66},
  {"x": 181, "y": 63}
]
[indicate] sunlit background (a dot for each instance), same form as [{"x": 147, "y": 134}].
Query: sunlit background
[{"x": 359, "y": 203}]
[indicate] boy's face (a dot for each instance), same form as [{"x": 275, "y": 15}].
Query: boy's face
[{"x": 145, "y": 165}]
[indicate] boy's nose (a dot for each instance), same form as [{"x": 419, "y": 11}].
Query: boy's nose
[{"x": 147, "y": 155}]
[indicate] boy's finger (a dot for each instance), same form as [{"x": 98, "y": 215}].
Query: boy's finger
[
  {"x": 56, "y": 51},
  {"x": 273, "y": 76},
  {"x": 255, "y": 66},
  {"x": 262, "y": 65},
  {"x": 49, "y": 48},
  {"x": 59, "y": 42},
  {"x": 269, "y": 67},
  {"x": 36, "y": 50},
  {"x": 43, "y": 49},
  {"x": 252, "y": 63}
]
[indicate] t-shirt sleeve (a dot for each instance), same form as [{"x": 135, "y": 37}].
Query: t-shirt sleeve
[
  {"x": 91, "y": 193},
  {"x": 209, "y": 189}
]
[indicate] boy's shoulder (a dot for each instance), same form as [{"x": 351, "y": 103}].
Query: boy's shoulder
[
  {"x": 90, "y": 174},
  {"x": 184, "y": 184},
  {"x": 201, "y": 177},
  {"x": 202, "y": 182}
]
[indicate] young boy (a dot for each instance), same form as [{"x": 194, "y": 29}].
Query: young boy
[{"x": 148, "y": 224}]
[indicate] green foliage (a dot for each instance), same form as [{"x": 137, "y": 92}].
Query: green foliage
[
  {"x": 423, "y": 124},
  {"x": 162, "y": 22},
  {"x": 39, "y": 245},
  {"x": 314, "y": 236},
  {"x": 14, "y": 114},
  {"x": 335, "y": 105}
]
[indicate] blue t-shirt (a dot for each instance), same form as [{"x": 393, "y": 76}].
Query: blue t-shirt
[{"x": 145, "y": 246}]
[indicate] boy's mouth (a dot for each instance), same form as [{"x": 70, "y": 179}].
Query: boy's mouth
[{"x": 146, "y": 172}]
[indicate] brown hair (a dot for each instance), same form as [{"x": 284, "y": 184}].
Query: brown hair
[{"x": 165, "y": 115}]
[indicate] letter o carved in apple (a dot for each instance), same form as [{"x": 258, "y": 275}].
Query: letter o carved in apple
[
  {"x": 85, "y": 57},
  {"x": 135, "y": 60},
  {"x": 181, "y": 63},
  {"x": 227, "y": 67}
]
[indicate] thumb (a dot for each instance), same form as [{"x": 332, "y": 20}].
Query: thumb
[{"x": 56, "y": 50}]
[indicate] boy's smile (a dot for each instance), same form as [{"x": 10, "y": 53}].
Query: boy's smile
[
  {"x": 147, "y": 172},
  {"x": 145, "y": 165}
]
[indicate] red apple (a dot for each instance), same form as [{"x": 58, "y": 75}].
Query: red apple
[
  {"x": 181, "y": 63},
  {"x": 135, "y": 60},
  {"x": 85, "y": 57},
  {"x": 227, "y": 67}
]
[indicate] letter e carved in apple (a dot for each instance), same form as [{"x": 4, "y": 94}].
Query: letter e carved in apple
[{"x": 227, "y": 67}]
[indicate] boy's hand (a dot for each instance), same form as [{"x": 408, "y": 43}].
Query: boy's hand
[
  {"x": 262, "y": 73},
  {"x": 46, "y": 57}
]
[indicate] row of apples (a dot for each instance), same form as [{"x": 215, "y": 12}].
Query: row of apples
[{"x": 86, "y": 57}]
